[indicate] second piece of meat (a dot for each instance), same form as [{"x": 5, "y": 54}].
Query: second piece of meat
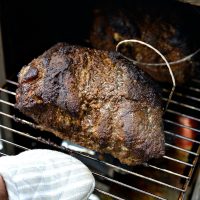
[{"x": 112, "y": 26}]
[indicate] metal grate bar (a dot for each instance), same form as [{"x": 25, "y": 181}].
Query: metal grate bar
[
  {"x": 18, "y": 132},
  {"x": 14, "y": 144},
  {"x": 7, "y": 91},
  {"x": 183, "y": 95},
  {"x": 22, "y": 121},
  {"x": 12, "y": 82},
  {"x": 128, "y": 186},
  {"x": 179, "y": 161},
  {"x": 167, "y": 171},
  {"x": 7, "y": 103},
  {"x": 182, "y": 137},
  {"x": 183, "y": 115},
  {"x": 193, "y": 88},
  {"x": 182, "y": 104},
  {"x": 181, "y": 149},
  {"x": 181, "y": 125},
  {"x": 108, "y": 194},
  {"x": 3, "y": 154}
]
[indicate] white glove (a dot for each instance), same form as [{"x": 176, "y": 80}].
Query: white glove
[{"x": 46, "y": 175}]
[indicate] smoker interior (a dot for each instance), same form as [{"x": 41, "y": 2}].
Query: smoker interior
[{"x": 31, "y": 27}]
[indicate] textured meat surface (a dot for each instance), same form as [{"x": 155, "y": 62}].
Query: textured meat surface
[
  {"x": 111, "y": 27},
  {"x": 96, "y": 99}
]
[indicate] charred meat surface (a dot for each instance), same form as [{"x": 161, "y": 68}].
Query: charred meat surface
[
  {"x": 96, "y": 99},
  {"x": 112, "y": 26}
]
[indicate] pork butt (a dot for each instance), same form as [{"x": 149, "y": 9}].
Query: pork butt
[{"x": 96, "y": 99}]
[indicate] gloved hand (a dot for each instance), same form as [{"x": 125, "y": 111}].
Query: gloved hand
[{"x": 45, "y": 175}]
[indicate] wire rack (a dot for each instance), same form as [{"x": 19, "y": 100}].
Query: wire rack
[{"x": 165, "y": 178}]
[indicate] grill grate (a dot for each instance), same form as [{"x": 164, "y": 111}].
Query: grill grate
[{"x": 166, "y": 178}]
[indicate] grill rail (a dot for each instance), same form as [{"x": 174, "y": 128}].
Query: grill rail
[{"x": 188, "y": 161}]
